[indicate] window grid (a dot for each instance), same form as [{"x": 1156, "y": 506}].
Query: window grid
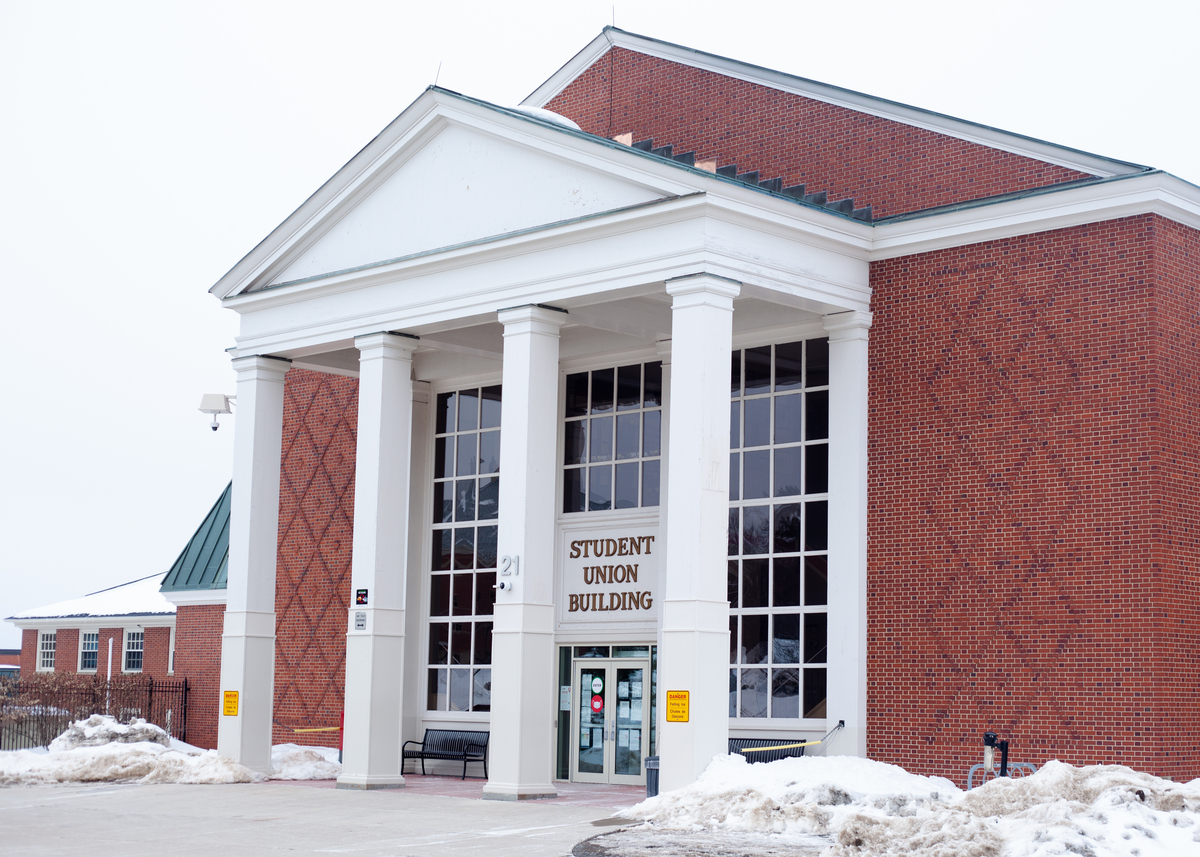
[
  {"x": 46, "y": 645},
  {"x": 466, "y": 493},
  {"x": 778, "y": 530},
  {"x": 612, "y": 449},
  {"x": 134, "y": 641},
  {"x": 89, "y": 651}
]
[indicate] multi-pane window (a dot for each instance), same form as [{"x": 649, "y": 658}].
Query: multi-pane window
[
  {"x": 134, "y": 642},
  {"x": 46, "y": 644},
  {"x": 778, "y": 530},
  {"x": 613, "y": 441},
  {"x": 466, "y": 494},
  {"x": 88, "y": 651}
]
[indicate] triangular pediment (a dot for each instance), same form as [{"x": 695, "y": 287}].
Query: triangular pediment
[{"x": 458, "y": 185}]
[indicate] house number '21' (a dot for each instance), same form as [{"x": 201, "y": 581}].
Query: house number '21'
[{"x": 509, "y": 565}]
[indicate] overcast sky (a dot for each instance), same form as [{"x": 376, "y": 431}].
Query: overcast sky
[{"x": 148, "y": 146}]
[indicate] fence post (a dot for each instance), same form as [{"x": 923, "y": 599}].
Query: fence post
[
  {"x": 150, "y": 700},
  {"x": 183, "y": 711}
]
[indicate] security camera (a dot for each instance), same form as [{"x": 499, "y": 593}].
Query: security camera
[{"x": 216, "y": 403}]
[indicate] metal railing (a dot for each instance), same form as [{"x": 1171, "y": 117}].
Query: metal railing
[{"x": 37, "y": 709}]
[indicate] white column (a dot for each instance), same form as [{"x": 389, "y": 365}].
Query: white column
[
  {"x": 248, "y": 641},
  {"x": 375, "y": 629},
  {"x": 524, "y": 685},
  {"x": 847, "y": 676},
  {"x": 695, "y": 618}
]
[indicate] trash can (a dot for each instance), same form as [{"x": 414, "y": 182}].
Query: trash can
[{"x": 651, "y": 776}]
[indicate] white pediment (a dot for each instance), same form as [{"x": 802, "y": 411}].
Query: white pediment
[{"x": 461, "y": 185}]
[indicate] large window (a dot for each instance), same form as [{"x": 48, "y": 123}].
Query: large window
[
  {"x": 46, "y": 643},
  {"x": 613, "y": 443},
  {"x": 134, "y": 643},
  {"x": 466, "y": 494},
  {"x": 89, "y": 649},
  {"x": 778, "y": 530}
]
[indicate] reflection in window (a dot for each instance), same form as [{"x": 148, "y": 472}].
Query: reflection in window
[
  {"x": 612, "y": 438},
  {"x": 466, "y": 506},
  {"x": 778, "y": 530}
]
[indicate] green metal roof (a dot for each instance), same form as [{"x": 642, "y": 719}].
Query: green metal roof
[{"x": 204, "y": 563}]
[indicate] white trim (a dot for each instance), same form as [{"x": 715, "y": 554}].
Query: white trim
[
  {"x": 1149, "y": 193},
  {"x": 193, "y": 597},
  {"x": 949, "y": 126},
  {"x": 70, "y": 623},
  {"x": 41, "y": 634},
  {"x": 436, "y": 109},
  {"x": 79, "y": 654},
  {"x": 125, "y": 650}
]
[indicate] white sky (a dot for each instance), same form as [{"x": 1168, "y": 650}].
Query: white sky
[{"x": 148, "y": 146}]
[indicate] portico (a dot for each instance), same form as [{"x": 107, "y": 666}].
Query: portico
[{"x": 542, "y": 324}]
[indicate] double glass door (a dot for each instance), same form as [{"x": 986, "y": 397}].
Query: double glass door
[{"x": 611, "y": 720}]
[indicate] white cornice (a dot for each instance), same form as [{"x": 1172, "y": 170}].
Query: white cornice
[
  {"x": 435, "y": 109},
  {"x": 148, "y": 620},
  {"x": 1126, "y": 196},
  {"x": 962, "y": 129},
  {"x": 194, "y": 597}
]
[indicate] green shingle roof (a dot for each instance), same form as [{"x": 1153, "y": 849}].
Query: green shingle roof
[{"x": 204, "y": 562}]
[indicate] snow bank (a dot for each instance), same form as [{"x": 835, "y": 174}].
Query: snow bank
[
  {"x": 141, "y": 762},
  {"x": 102, "y": 729},
  {"x": 100, "y": 749},
  {"x": 870, "y": 808},
  {"x": 293, "y": 762}
]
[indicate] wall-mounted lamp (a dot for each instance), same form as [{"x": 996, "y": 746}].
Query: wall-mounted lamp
[{"x": 216, "y": 403}]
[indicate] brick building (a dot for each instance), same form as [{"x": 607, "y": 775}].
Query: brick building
[
  {"x": 124, "y": 630},
  {"x": 692, "y": 376}
]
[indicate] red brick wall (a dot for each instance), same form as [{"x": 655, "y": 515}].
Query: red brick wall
[
  {"x": 29, "y": 641},
  {"x": 117, "y": 635},
  {"x": 66, "y": 650},
  {"x": 1036, "y": 397},
  {"x": 312, "y": 584},
  {"x": 198, "y": 659},
  {"x": 1176, "y": 613},
  {"x": 893, "y": 167},
  {"x": 156, "y": 652}
]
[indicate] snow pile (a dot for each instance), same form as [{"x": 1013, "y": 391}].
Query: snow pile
[
  {"x": 293, "y": 762},
  {"x": 100, "y": 749},
  {"x": 102, "y": 729},
  {"x": 870, "y": 808}
]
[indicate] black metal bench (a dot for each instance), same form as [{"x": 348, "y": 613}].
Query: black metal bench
[
  {"x": 450, "y": 744},
  {"x": 789, "y": 748}
]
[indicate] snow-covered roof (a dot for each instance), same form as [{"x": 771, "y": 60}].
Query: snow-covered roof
[{"x": 136, "y": 598}]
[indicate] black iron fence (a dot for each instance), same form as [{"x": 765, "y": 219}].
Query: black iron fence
[{"x": 37, "y": 709}]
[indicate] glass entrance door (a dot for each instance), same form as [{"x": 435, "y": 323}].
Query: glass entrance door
[{"x": 611, "y": 721}]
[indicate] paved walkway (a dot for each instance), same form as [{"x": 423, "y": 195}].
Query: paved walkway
[{"x": 432, "y": 817}]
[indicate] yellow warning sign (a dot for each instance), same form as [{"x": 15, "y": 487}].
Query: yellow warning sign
[
  {"x": 231, "y": 702},
  {"x": 677, "y": 706}
]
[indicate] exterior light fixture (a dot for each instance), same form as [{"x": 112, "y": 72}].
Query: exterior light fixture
[{"x": 216, "y": 403}]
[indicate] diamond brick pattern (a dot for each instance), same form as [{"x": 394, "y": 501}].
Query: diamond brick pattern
[
  {"x": 312, "y": 589},
  {"x": 1031, "y": 568}
]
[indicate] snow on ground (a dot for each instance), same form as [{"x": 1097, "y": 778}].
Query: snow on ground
[
  {"x": 101, "y": 729},
  {"x": 870, "y": 808},
  {"x": 100, "y": 749},
  {"x": 293, "y": 762}
]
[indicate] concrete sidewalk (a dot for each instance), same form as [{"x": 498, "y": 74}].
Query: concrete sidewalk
[{"x": 280, "y": 818}]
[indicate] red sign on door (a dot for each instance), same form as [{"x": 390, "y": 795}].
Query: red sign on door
[{"x": 597, "y": 703}]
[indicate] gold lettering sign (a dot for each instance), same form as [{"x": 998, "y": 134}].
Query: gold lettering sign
[
  {"x": 600, "y": 548},
  {"x": 607, "y": 575}
]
